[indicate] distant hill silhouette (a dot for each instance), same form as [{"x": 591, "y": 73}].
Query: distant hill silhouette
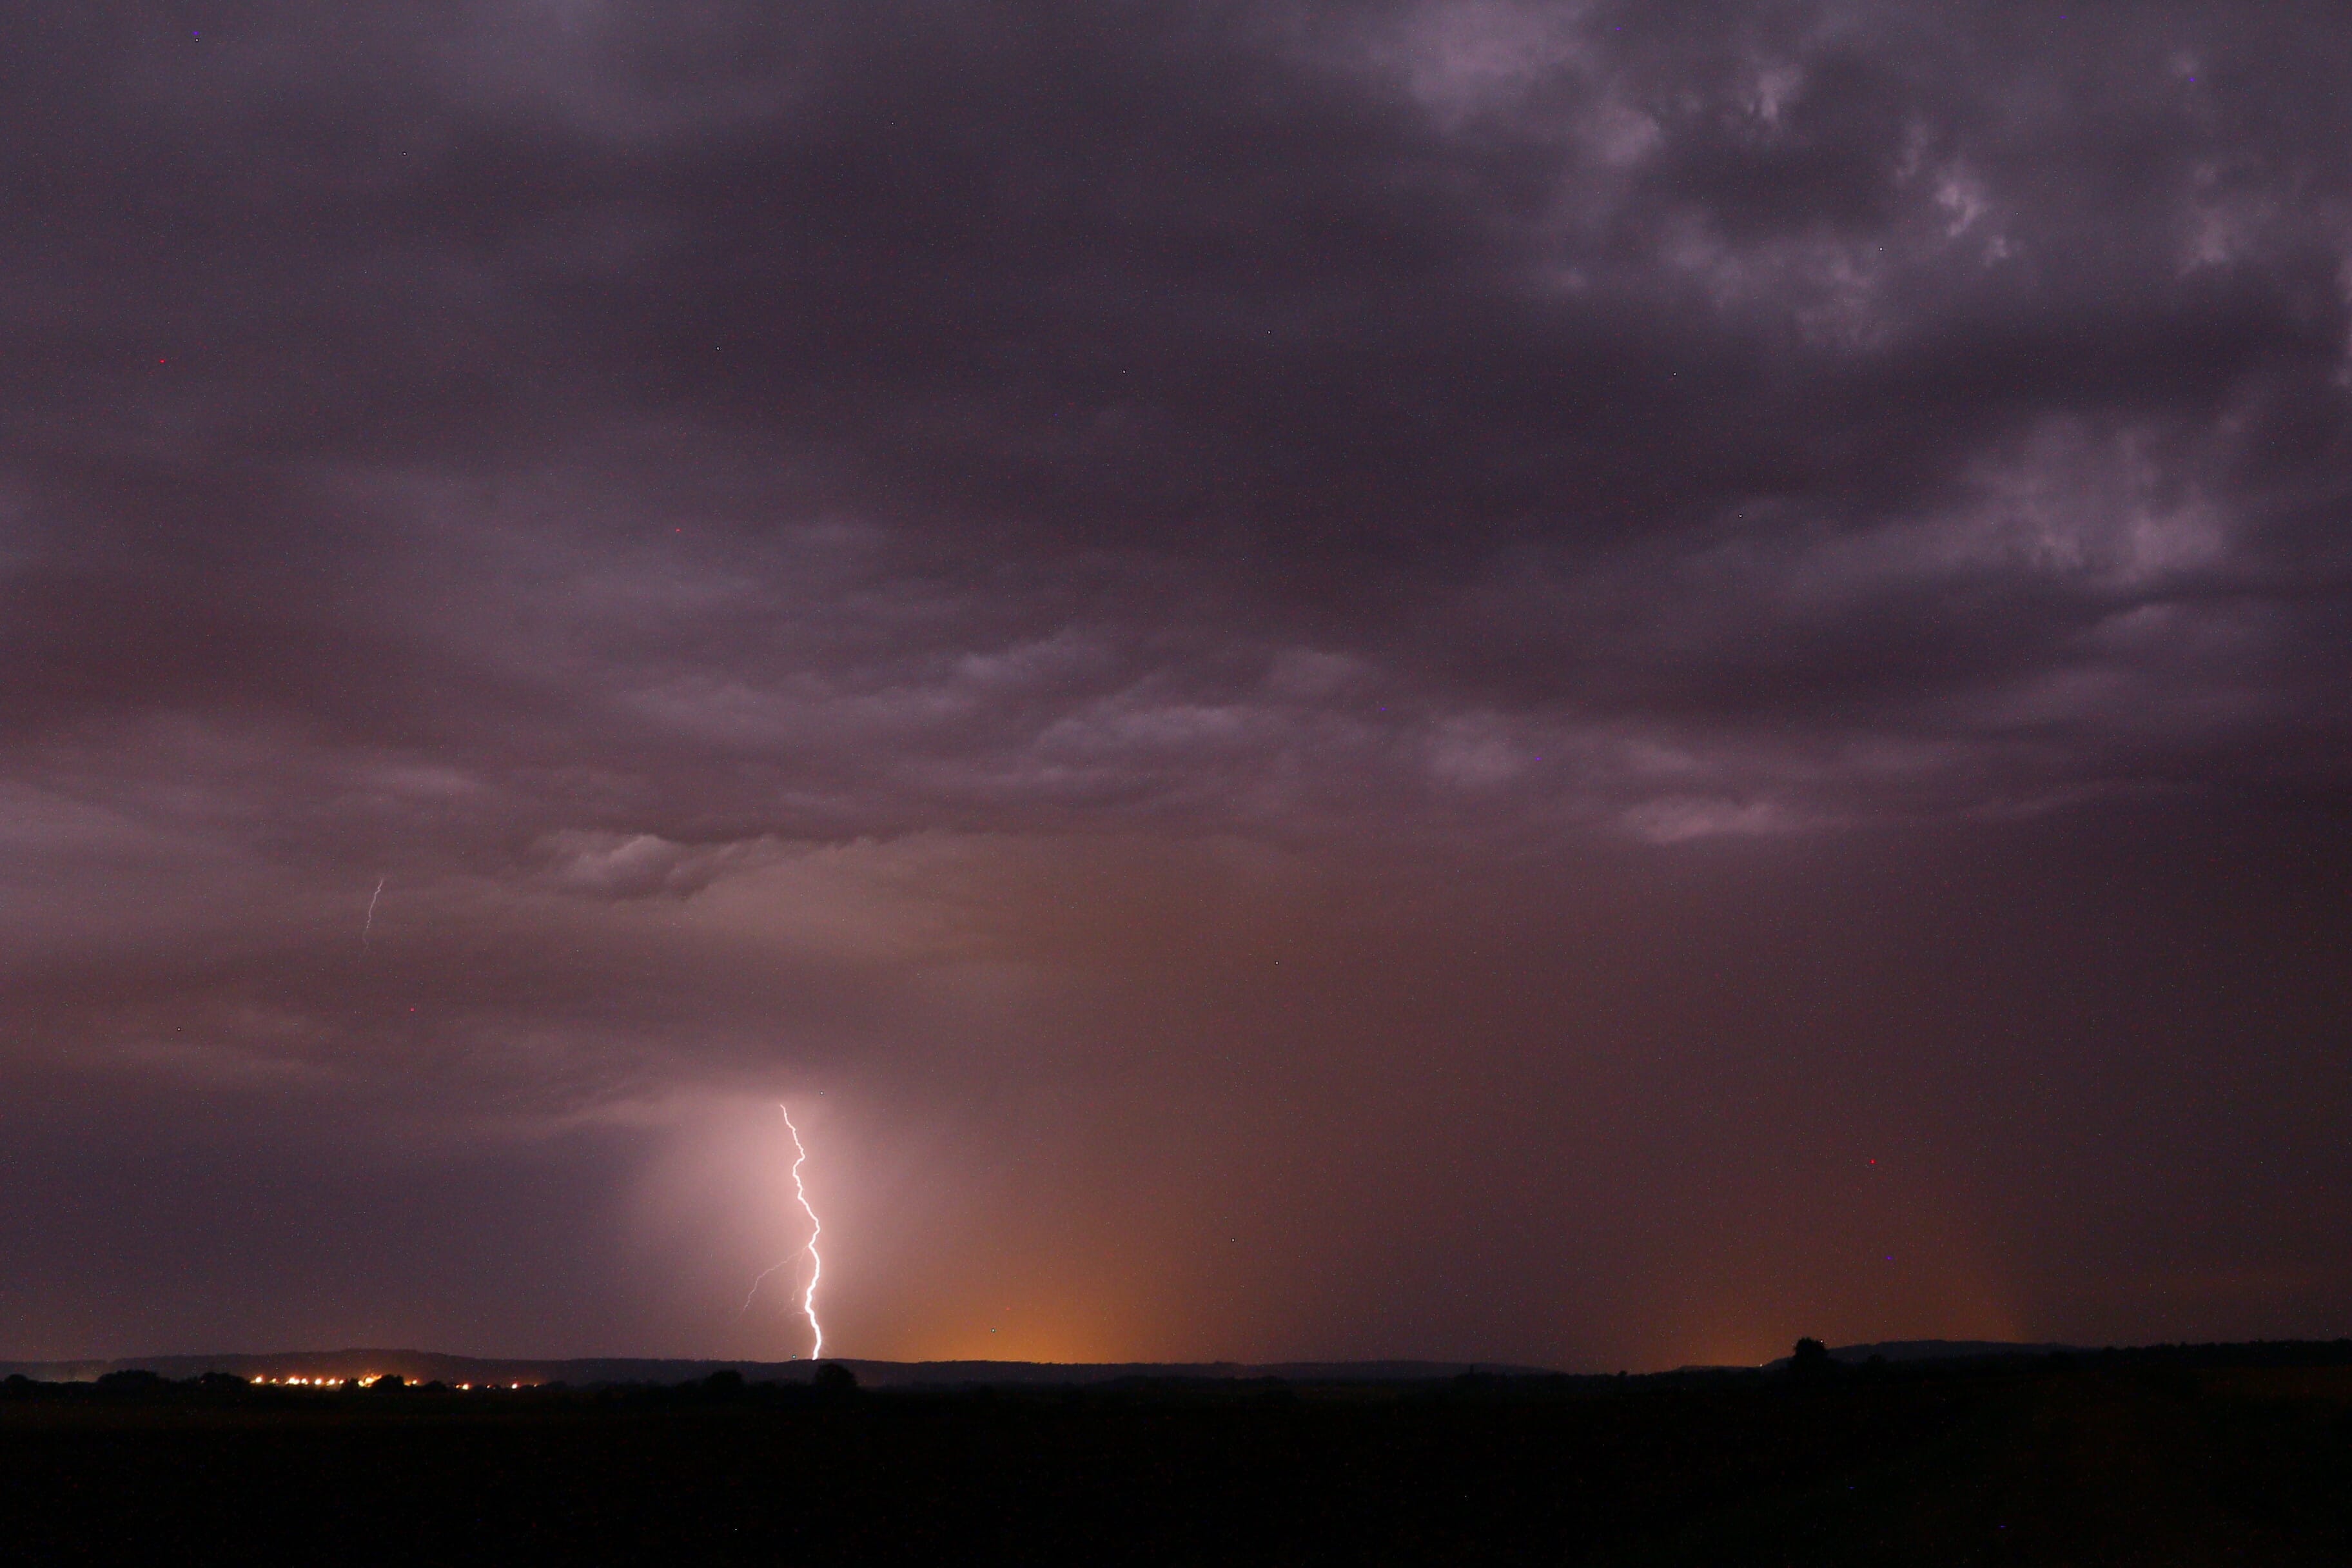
[
  {"x": 1932, "y": 1350},
  {"x": 428, "y": 1367}
]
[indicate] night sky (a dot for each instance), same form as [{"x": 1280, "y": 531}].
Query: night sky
[{"x": 1581, "y": 684}]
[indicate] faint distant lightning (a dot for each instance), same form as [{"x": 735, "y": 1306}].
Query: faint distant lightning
[
  {"x": 816, "y": 1264},
  {"x": 370, "y": 923}
]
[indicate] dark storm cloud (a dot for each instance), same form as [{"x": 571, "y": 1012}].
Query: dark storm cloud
[
  {"x": 839, "y": 538},
  {"x": 1859, "y": 371}
]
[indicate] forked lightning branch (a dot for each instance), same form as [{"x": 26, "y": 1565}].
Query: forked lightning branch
[{"x": 816, "y": 1264}]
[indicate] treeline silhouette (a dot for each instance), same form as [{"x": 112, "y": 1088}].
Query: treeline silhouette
[
  {"x": 2187, "y": 1454},
  {"x": 134, "y": 1386}
]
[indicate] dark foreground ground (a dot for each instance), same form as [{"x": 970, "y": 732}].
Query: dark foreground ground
[{"x": 2238, "y": 1454}]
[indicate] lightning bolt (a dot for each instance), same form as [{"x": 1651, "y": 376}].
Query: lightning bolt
[
  {"x": 816, "y": 1264},
  {"x": 371, "y": 915}
]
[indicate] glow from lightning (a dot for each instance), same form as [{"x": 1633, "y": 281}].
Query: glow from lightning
[
  {"x": 371, "y": 918},
  {"x": 816, "y": 1264}
]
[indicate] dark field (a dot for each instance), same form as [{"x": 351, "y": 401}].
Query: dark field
[{"x": 2224, "y": 1456}]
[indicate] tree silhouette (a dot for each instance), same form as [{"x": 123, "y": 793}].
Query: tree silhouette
[{"x": 132, "y": 1379}]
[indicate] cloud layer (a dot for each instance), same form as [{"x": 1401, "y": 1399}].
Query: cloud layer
[{"x": 1148, "y": 584}]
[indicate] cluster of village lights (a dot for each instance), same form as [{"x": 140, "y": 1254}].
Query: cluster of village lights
[{"x": 367, "y": 1380}]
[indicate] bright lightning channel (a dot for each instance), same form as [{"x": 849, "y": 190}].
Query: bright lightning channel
[{"x": 816, "y": 1264}]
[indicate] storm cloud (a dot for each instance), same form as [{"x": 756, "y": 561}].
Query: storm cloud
[{"x": 1388, "y": 679}]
